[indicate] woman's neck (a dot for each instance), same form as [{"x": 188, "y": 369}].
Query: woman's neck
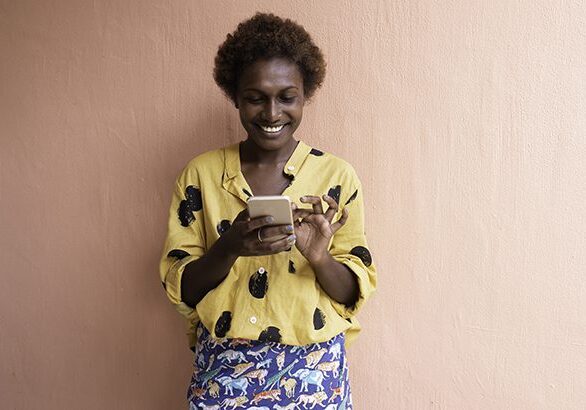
[{"x": 252, "y": 153}]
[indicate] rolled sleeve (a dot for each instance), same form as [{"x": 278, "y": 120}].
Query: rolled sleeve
[
  {"x": 366, "y": 285},
  {"x": 173, "y": 279},
  {"x": 350, "y": 248},
  {"x": 184, "y": 244}
]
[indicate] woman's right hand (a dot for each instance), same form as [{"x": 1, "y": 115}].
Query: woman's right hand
[{"x": 254, "y": 237}]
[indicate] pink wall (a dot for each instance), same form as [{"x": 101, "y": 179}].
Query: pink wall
[{"x": 465, "y": 121}]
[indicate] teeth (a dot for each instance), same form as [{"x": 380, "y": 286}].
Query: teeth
[{"x": 272, "y": 129}]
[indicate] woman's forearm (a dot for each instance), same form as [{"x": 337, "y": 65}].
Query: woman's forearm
[
  {"x": 336, "y": 279},
  {"x": 206, "y": 273}
]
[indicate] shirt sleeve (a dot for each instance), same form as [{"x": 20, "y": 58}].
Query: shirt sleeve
[
  {"x": 350, "y": 248},
  {"x": 185, "y": 240}
]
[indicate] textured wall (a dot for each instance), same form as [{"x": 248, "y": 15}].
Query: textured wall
[{"x": 464, "y": 119}]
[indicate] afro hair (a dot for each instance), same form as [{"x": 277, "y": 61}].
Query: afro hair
[{"x": 266, "y": 36}]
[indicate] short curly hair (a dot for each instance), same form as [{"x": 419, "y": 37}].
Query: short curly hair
[{"x": 265, "y": 36}]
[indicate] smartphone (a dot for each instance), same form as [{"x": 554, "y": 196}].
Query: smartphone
[{"x": 277, "y": 206}]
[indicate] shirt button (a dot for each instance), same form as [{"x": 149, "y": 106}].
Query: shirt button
[
  {"x": 290, "y": 168},
  {"x": 252, "y": 319},
  {"x": 261, "y": 270}
]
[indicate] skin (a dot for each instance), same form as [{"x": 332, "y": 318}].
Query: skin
[{"x": 270, "y": 93}]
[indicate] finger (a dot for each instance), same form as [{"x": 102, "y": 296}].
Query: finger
[
  {"x": 280, "y": 245},
  {"x": 301, "y": 213},
  {"x": 315, "y": 201},
  {"x": 268, "y": 247},
  {"x": 325, "y": 228},
  {"x": 259, "y": 222},
  {"x": 266, "y": 240},
  {"x": 333, "y": 207},
  {"x": 253, "y": 247},
  {"x": 340, "y": 222},
  {"x": 296, "y": 212},
  {"x": 277, "y": 231},
  {"x": 319, "y": 222}
]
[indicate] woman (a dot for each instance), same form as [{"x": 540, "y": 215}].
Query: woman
[{"x": 269, "y": 307}]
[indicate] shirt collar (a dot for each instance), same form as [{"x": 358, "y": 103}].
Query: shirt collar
[
  {"x": 232, "y": 160},
  {"x": 293, "y": 166}
]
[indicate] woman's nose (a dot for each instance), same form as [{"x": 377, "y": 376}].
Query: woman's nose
[{"x": 272, "y": 111}]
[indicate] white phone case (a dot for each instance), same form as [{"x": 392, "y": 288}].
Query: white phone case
[{"x": 275, "y": 205}]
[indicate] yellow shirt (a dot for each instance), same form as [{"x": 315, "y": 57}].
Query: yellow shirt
[{"x": 273, "y": 297}]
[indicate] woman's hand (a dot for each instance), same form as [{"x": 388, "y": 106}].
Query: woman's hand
[
  {"x": 253, "y": 237},
  {"x": 315, "y": 229}
]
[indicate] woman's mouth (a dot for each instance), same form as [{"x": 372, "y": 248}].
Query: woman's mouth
[{"x": 272, "y": 129}]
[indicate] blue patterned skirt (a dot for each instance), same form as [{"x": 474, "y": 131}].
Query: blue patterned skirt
[{"x": 249, "y": 374}]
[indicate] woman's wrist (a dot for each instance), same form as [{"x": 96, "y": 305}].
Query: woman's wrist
[
  {"x": 318, "y": 261},
  {"x": 224, "y": 247},
  {"x": 335, "y": 278}
]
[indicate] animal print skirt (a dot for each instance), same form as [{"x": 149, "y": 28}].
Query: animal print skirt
[{"x": 249, "y": 374}]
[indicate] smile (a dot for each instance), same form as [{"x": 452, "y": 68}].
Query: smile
[{"x": 272, "y": 130}]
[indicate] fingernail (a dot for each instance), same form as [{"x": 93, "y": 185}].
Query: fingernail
[
  {"x": 289, "y": 228},
  {"x": 270, "y": 219},
  {"x": 292, "y": 238}
]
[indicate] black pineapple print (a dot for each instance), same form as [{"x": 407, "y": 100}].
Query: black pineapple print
[
  {"x": 363, "y": 254},
  {"x": 223, "y": 226},
  {"x": 177, "y": 253},
  {"x": 259, "y": 283},
  {"x": 270, "y": 334},
  {"x": 352, "y": 198},
  {"x": 223, "y": 324},
  {"x": 192, "y": 203},
  {"x": 319, "y": 319},
  {"x": 334, "y": 192}
]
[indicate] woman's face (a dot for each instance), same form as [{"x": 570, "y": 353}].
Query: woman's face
[{"x": 270, "y": 101}]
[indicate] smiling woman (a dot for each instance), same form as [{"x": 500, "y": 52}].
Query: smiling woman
[
  {"x": 270, "y": 100},
  {"x": 268, "y": 306}
]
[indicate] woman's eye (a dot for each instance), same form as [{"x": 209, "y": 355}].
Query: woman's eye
[
  {"x": 288, "y": 98},
  {"x": 254, "y": 100}
]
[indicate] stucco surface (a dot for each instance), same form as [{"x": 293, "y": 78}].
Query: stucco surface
[{"x": 464, "y": 119}]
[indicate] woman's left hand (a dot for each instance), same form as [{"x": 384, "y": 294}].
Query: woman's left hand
[{"x": 315, "y": 229}]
